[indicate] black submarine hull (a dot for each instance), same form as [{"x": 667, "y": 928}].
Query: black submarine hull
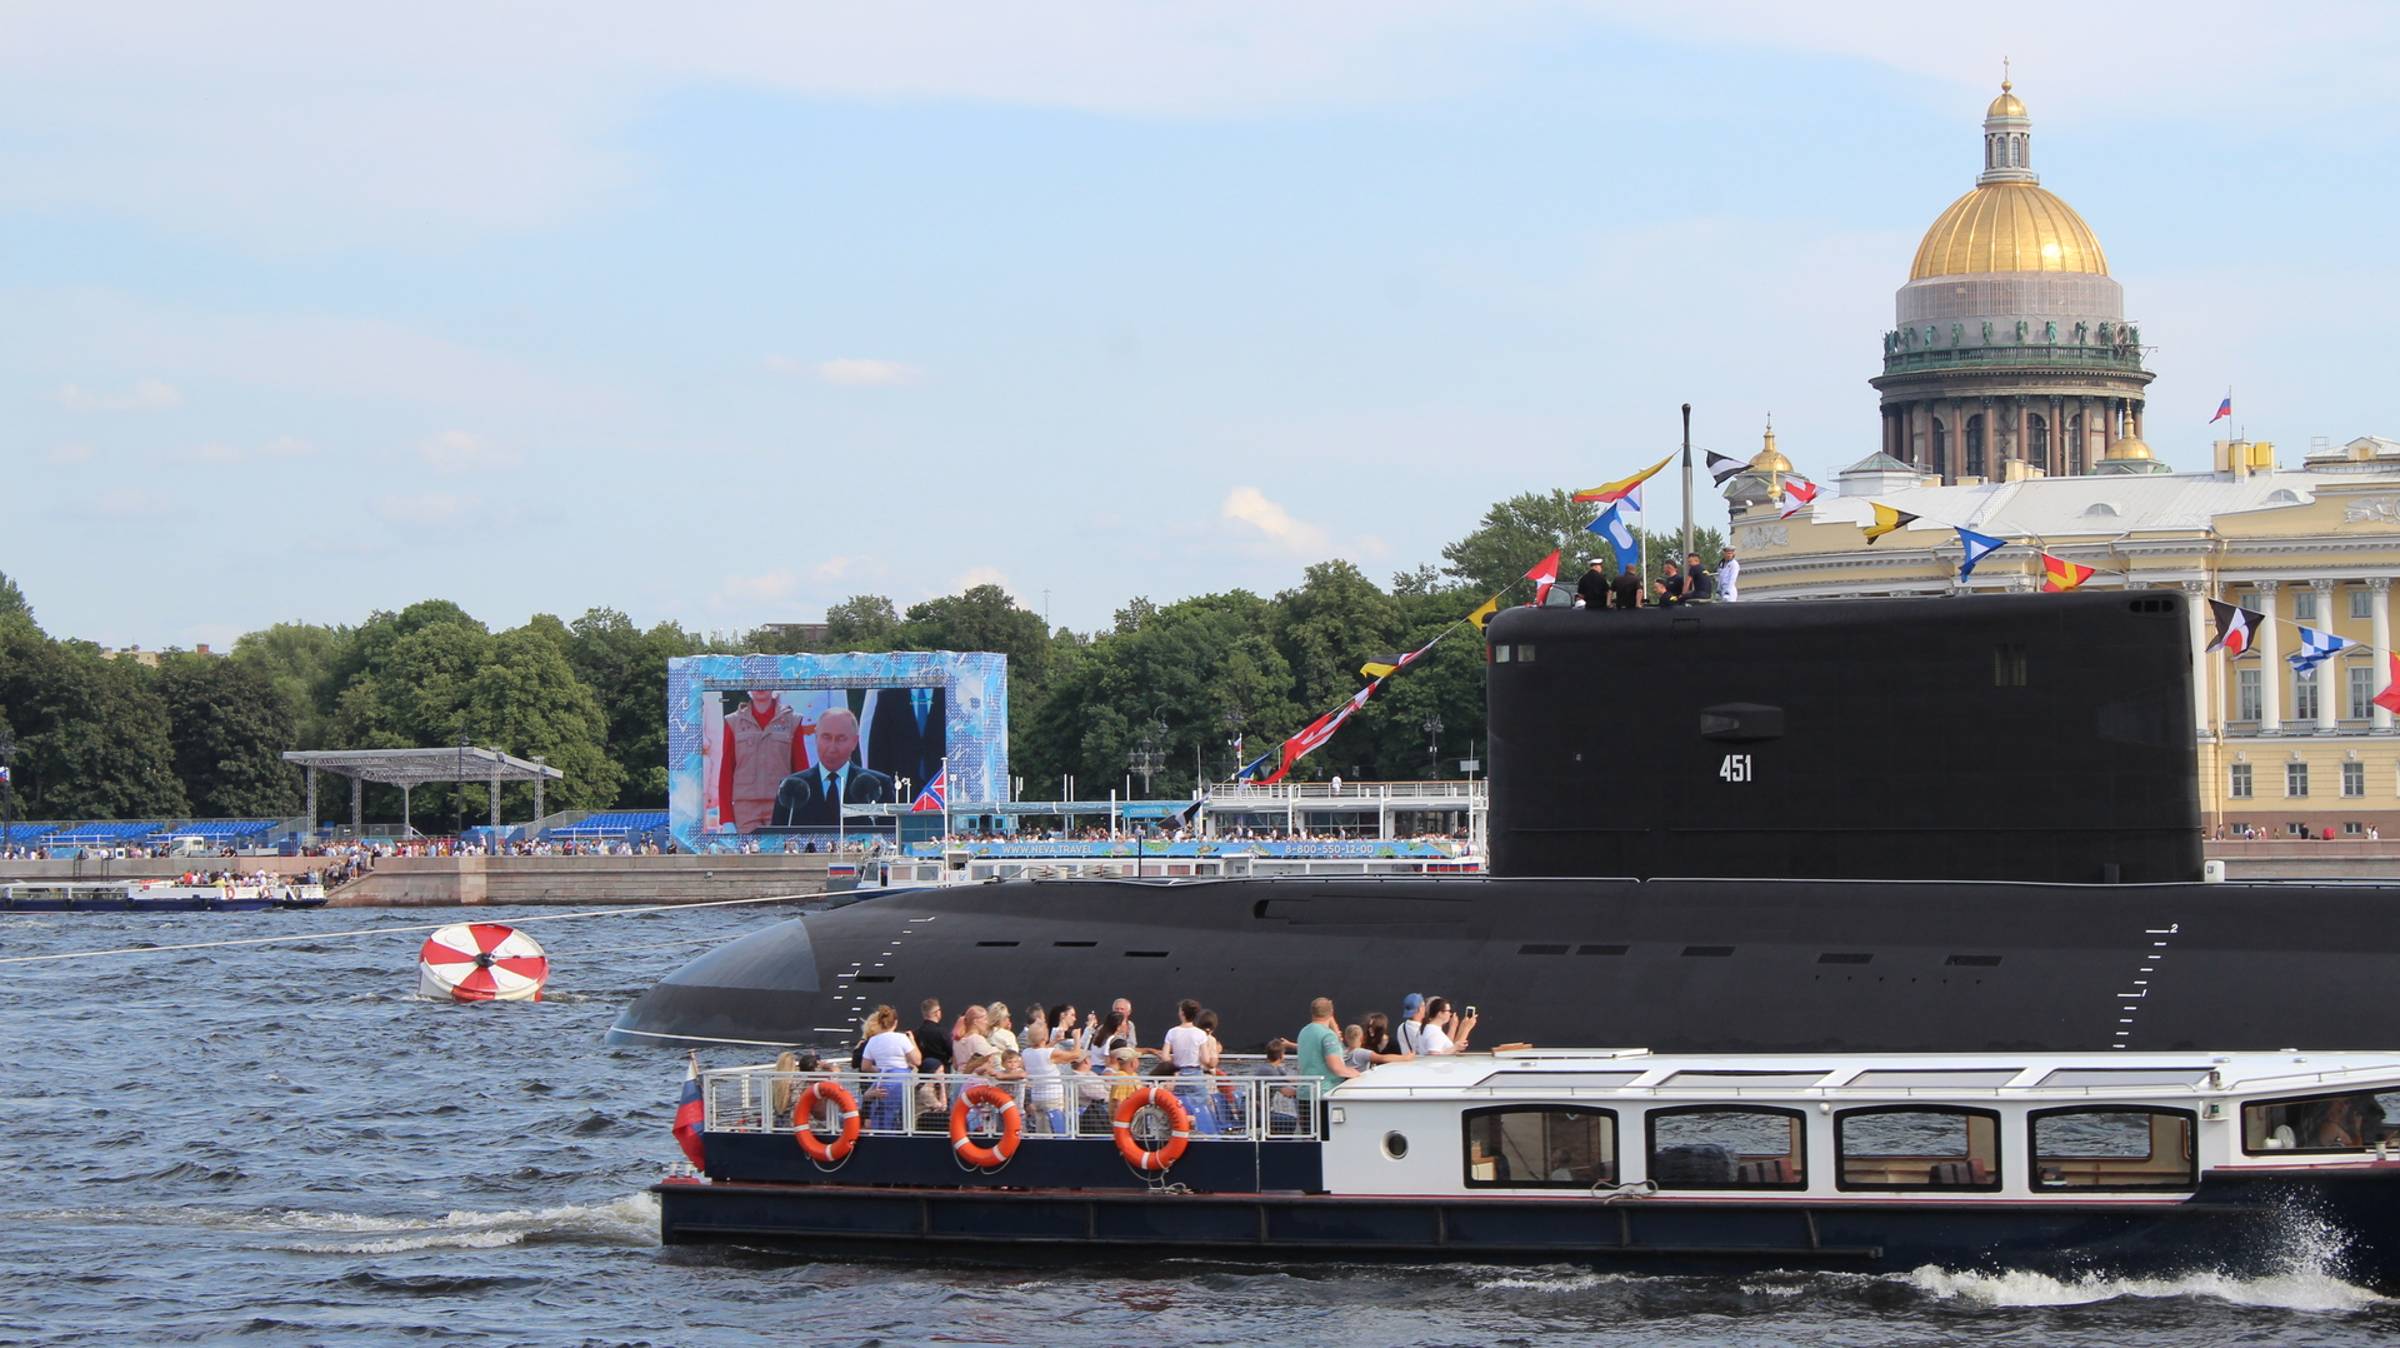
[{"x": 1707, "y": 964}]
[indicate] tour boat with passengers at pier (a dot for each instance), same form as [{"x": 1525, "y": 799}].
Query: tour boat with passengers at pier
[
  {"x": 155, "y": 896},
  {"x": 2096, "y": 1163}
]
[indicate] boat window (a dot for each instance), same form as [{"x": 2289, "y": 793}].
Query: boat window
[
  {"x": 1917, "y": 1147},
  {"x": 1728, "y": 1147},
  {"x": 1543, "y": 1148},
  {"x": 2349, "y": 1122},
  {"x": 1502, "y": 654},
  {"x": 1891, "y": 1077},
  {"x": 1807, "y": 1078},
  {"x": 2113, "y": 1147},
  {"x": 2125, "y": 1076}
]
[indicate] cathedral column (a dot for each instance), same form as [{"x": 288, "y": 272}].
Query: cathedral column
[
  {"x": 1956, "y": 465},
  {"x": 2270, "y": 657},
  {"x": 2379, "y": 719},
  {"x": 2058, "y": 436},
  {"x": 2329, "y": 672},
  {"x": 2195, "y": 601},
  {"x": 2022, "y": 409},
  {"x": 2134, "y": 410}
]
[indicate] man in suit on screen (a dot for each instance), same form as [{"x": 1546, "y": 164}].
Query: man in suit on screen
[
  {"x": 812, "y": 798},
  {"x": 904, "y": 734}
]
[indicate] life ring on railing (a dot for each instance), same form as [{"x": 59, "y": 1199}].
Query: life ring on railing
[
  {"x": 1179, "y": 1128},
  {"x": 804, "y": 1122},
  {"x": 1012, "y": 1127}
]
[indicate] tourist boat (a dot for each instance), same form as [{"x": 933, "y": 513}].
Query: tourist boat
[
  {"x": 2069, "y": 1164},
  {"x": 153, "y": 896}
]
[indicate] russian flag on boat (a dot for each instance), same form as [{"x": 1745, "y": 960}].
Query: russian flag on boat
[{"x": 690, "y": 1116}]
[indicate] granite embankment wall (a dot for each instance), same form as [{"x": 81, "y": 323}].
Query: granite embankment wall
[
  {"x": 439, "y": 881},
  {"x": 2299, "y": 859}
]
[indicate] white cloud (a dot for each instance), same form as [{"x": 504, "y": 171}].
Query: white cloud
[
  {"x": 845, "y": 566},
  {"x": 848, "y": 371},
  {"x": 217, "y": 451},
  {"x": 1249, "y": 507},
  {"x": 65, "y": 454},
  {"x": 423, "y": 507},
  {"x": 147, "y": 395},
  {"x": 464, "y": 452},
  {"x": 775, "y": 586},
  {"x": 981, "y": 575}
]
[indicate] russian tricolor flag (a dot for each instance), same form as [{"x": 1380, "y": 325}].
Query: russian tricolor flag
[
  {"x": 2224, "y": 410},
  {"x": 691, "y": 1117}
]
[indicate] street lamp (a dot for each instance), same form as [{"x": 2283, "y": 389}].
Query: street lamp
[
  {"x": 1433, "y": 746},
  {"x": 1233, "y": 736},
  {"x": 1146, "y": 757}
]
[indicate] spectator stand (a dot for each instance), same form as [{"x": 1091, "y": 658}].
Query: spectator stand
[
  {"x": 613, "y": 826},
  {"x": 409, "y": 769}
]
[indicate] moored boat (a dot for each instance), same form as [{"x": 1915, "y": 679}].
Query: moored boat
[
  {"x": 2065, "y": 1163},
  {"x": 155, "y": 896}
]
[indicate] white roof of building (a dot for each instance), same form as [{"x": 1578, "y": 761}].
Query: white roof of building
[{"x": 2064, "y": 507}]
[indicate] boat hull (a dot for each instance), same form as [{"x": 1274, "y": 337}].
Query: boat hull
[
  {"x": 1702, "y": 965},
  {"x": 2237, "y": 1227}
]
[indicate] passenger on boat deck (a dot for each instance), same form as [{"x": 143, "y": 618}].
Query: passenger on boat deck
[
  {"x": 970, "y": 1039},
  {"x": 933, "y": 1038},
  {"x": 1187, "y": 1053},
  {"x": 1091, "y": 1092},
  {"x": 1113, "y": 1033},
  {"x": 779, "y": 1095},
  {"x": 1445, "y": 1032},
  {"x": 1410, "y": 1031},
  {"x": 1063, "y": 1029},
  {"x": 1034, "y": 1015},
  {"x": 891, "y": 1055},
  {"x": 1046, "y": 1102},
  {"x": 1123, "y": 1008},
  {"x": 1321, "y": 1048},
  {"x": 1283, "y": 1102},
  {"x": 1354, "y": 1047},
  {"x": 1124, "y": 1073},
  {"x": 2350, "y": 1121},
  {"x": 1379, "y": 1045},
  {"x": 1003, "y": 1033}
]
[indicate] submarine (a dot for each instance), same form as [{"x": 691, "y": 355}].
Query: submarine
[{"x": 1904, "y": 825}]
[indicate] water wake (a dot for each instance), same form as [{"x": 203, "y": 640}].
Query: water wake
[{"x": 2298, "y": 1289}]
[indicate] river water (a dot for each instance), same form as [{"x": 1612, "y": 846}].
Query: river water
[{"x": 278, "y": 1143}]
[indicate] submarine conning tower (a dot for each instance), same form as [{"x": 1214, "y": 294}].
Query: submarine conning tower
[{"x": 2027, "y": 737}]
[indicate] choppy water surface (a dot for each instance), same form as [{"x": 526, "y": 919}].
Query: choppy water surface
[{"x": 279, "y": 1144}]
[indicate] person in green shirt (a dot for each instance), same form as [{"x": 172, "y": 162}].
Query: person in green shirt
[{"x": 1321, "y": 1049}]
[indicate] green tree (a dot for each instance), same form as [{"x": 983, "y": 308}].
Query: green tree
[
  {"x": 863, "y": 622},
  {"x": 299, "y": 660},
  {"x": 91, "y": 733},
  {"x": 626, "y": 670},
  {"x": 983, "y": 618},
  {"x": 1336, "y": 619},
  {"x": 523, "y": 698},
  {"x": 1516, "y": 533},
  {"x": 229, "y": 725},
  {"x": 12, "y": 600}
]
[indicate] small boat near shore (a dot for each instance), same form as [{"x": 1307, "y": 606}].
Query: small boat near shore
[
  {"x": 153, "y": 896},
  {"x": 2070, "y": 1164}
]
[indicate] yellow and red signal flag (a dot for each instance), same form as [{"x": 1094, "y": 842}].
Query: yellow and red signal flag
[
  {"x": 1383, "y": 665},
  {"x": 1617, "y": 490},
  {"x": 2060, "y": 575}
]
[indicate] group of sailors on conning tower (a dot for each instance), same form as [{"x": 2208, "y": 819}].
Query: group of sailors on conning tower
[{"x": 1687, "y": 583}]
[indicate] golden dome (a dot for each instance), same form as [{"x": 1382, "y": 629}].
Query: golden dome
[
  {"x": 2006, "y": 105},
  {"x": 2008, "y": 226},
  {"x": 1770, "y": 459},
  {"x": 2129, "y": 448}
]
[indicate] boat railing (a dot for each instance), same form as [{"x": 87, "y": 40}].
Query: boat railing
[{"x": 1229, "y": 1108}]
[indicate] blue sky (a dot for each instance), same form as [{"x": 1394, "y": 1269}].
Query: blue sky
[{"x": 725, "y": 318}]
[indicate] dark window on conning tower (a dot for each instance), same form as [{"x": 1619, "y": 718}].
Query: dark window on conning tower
[{"x": 2008, "y": 665}]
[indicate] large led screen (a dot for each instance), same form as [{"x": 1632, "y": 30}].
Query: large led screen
[{"x": 767, "y": 744}]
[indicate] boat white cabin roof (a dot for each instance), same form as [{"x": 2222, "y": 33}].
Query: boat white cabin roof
[{"x": 1635, "y": 1072}]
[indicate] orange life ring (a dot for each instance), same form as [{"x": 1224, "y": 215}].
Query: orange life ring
[
  {"x": 1012, "y": 1127},
  {"x": 1179, "y": 1124},
  {"x": 804, "y": 1122}
]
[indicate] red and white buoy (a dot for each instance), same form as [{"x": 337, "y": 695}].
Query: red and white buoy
[{"x": 481, "y": 962}]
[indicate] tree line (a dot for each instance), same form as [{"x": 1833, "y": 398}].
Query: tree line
[{"x": 1166, "y": 686}]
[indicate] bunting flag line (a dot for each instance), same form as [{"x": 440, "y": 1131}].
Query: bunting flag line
[
  {"x": 1384, "y": 666},
  {"x": 1317, "y": 732},
  {"x": 1888, "y": 519},
  {"x": 1545, "y": 574},
  {"x": 1252, "y": 768},
  {"x": 1617, "y": 490},
  {"x": 2224, "y": 409},
  {"x": 1723, "y": 470},
  {"x": 1976, "y": 547},
  {"x": 1484, "y": 611},
  {"x": 2315, "y": 649},
  {"x": 1799, "y": 493},
  {"x": 2389, "y": 698},
  {"x": 2060, "y": 575},
  {"x": 2235, "y": 626}
]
